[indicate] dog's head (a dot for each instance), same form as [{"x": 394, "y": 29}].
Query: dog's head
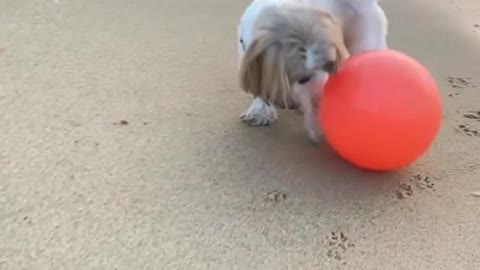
[{"x": 292, "y": 45}]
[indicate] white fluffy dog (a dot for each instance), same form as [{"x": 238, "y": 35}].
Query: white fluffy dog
[{"x": 288, "y": 48}]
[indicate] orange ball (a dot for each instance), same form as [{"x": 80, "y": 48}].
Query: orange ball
[{"x": 381, "y": 111}]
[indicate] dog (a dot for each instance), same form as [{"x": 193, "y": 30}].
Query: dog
[{"x": 287, "y": 50}]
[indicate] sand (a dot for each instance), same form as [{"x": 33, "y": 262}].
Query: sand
[{"x": 121, "y": 148}]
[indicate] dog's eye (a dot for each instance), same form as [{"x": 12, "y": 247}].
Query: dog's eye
[
  {"x": 304, "y": 80},
  {"x": 330, "y": 67}
]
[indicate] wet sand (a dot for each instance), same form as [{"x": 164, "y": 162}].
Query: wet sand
[{"x": 122, "y": 148}]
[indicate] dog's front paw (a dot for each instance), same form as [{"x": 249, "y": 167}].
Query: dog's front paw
[
  {"x": 313, "y": 129},
  {"x": 260, "y": 113},
  {"x": 314, "y": 135}
]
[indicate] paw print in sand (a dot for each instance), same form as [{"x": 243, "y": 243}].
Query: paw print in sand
[
  {"x": 468, "y": 130},
  {"x": 338, "y": 245},
  {"x": 458, "y": 83},
  {"x": 465, "y": 128},
  {"x": 473, "y": 115},
  {"x": 276, "y": 196},
  {"x": 423, "y": 182},
  {"x": 417, "y": 182},
  {"x": 404, "y": 190}
]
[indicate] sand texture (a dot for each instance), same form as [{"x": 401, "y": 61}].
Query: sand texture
[{"x": 122, "y": 149}]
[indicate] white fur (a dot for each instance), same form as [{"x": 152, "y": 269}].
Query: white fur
[
  {"x": 260, "y": 113},
  {"x": 310, "y": 58},
  {"x": 364, "y": 27}
]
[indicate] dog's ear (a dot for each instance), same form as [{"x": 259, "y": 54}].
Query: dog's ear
[
  {"x": 336, "y": 35},
  {"x": 263, "y": 72},
  {"x": 251, "y": 67}
]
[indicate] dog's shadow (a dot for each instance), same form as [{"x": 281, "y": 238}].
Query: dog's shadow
[{"x": 285, "y": 149}]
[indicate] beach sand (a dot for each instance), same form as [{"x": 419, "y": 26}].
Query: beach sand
[{"x": 121, "y": 148}]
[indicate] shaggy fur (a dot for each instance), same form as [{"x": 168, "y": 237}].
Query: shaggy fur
[{"x": 288, "y": 48}]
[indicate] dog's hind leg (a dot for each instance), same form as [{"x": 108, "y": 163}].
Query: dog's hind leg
[{"x": 367, "y": 30}]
